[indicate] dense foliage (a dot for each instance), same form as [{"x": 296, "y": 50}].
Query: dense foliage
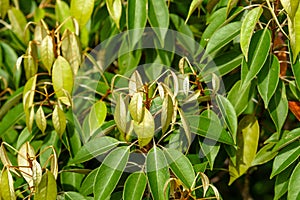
[{"x": 149, "y": 99}]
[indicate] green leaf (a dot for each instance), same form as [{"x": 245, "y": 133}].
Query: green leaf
[
  {"x": 194, "y": 5},
  {"x": 264, "y": 155},
  {"x": 40, "y": 119},
  {"x": 82, "y": 10},
  {"x": 18, "y": 24},
  {"x": 47, "y": 54},
  {"x": 291, "y": 6},
  {"x": 114, "y": 8},
  {"x": 295, "y": 68},
  {"x": 26, "y": 151},
  {"x": 11, "y": 118},
  {"x": 208, "y": 127},
  {"x": 30, "y": 60},
  {"x": 59, "y": 120},
  {"x": 282, "y": 182},
  {"x": 285, "y": 158},
  {"x": 158, "y": 16},
  {"x": 110, "y": 172},
  {"x": 120, "y": 114},
  {"x": 287, "y": 139},
  {"x": 97, "y": 116},
  {"x": 166, "y": 113},
  {"x": 136, "y": 107},
  {"x": 88, "y": 183},
  {"x": 63, "y": 15},
  {"x": 258, "y": 54},
  {"x": 222, "y": 37},
  {"x": 180, "y": 166},
  {"x": 46, "y": 190},
  {"x": 294, "y": 187},
  {"x": 70, "y": 180},
  {"x": 4, "y": 6},
  {"x": 278, "y": 106},
  {"x": 71, "y": 50},
  {"x": 157, "y": 173},
  {"x": 95, "y": 147},
  {"x": 185, "y": 124},
  {"x": 136, "y": 20},
  {"x": 145, "y": 129},
  {"x": 230, "y": 5},
  {"x": 62, "y": 79},
  {"x": 239, "y": 97},
  {"x": 268, "y": 79},
  {"x": 73, "y": 196},
  {"x": 228, "y": 114},
  {"x": 135, "y": 186},
  {"x": 294, "y": 30},
  {"x": 7, "y": 185},
  {"x": 129, "y": 58},
  {"x": 248, "y": 26},
  {"x": 247, "y": 141}
]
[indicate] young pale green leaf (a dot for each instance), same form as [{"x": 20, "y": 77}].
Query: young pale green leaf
[
  {"x": 62, "y": 79},
  {"x": 7, "y": 185},
  {"x": 29, "y": 118},
  {"x": 287, "y": 139},
  {"x": 59, "y": 120},
  {"x": 40, "y": 119},
  {"x": 71, "y": 50},
  {"x": 4, "y": 6},
  {"x": 158, "y": 16},
  {"x": 114, "y": 8},
  {"x": 136, "y": 107},
  {"x": 294, "y": 30},
  {"x": 166, "y": 113},
  {"x": 268, "y": 79},
  {"x": 31, "y": 60},
  {"x": 46, "y": 190},
  {"x": 180, "y": 166},
  {"x": 82, "y": 10},
  {"x": 247, "y": 29},
  {"x": 258, "y": 53},
  {"x": 5, "y": 159},
  {"x": 264, "y": 155},
  {"x": 247, "y": 141},
  {"x": 18, "y": 24},
  {"x": 120, "y": 114},
  {"x": 239, "y": 97},
  {"x": 97, "y": 116},
  {"x": 36, "y": 172},
  {"x": 145, "y": 129},
  {"x": 208, "y": 127},
  {"x": 230, "y": 5},
  {"x": 278, "y": 106},
  {"x": 290, "y": 6},
  {"x": 294, "y": 186},
  {"x": 135, "y": 83},
  {"x": 110, "y": 172},
  {"x": 282, "y": 182},
  {"x": 63, "y": 15},
  {"x": 185, "y": 125},
  {"x": 222, "y": 37},
  {"x": 88, "y": 183},
  {"x": 136, "y": 19},
  {"x": 157, "y": 173},
  {"x": 135, "y": 186},
  {"x": 228, "y": 114},
  {"x": 194, "y": 5},
  {"x": 285, "y": 158},
  {"x": 47, "y": 54},
  {"x": 26, "y": 152},
  {"x": 95, "y": 147}
]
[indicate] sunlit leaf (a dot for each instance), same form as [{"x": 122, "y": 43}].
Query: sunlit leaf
[
  {"x": 294, "y": 187},
  {"x": 166, "y": 113},
  {"x": 62, "y": 79},
  {"x": 194, "y": 5},
  {"x": 28, "y": 93},
  {"x": 26, "y": 152},
  {"x": 268, "y": 79},
  {"x": 145, "y": 129},
  {"x": 4, "y": 6},
  {"x": 157, "y": 173},
  {"x": 40, "y": 119},
  {"x": 291, "y": 6},
  {"x": 285, "y": 158},
  {"x": 110, "y": 172},
  {"x": 46, "y": 190},
  {"x": 135, "y": 83},
  {"x": 18, "y": 24},
  {"x": 114, "y": 8},
  {"x": 120, "y": 114},
  {"x": 30, "y": 60},
  {"x": 59, "y": 120},
  {"x": 230, "y": 5},
  {"x": 95, "y": 147},
  {"x": 134, "y": 186},
  {"x": 247, "y": 29},
  {"x": 82, "y": 10},
  {"x": 288, "y": 138},
  {"x": 97, "y": 115},
  {"x": 264, "y": 155},
  {"x": 247, "y": 141},
  {"x": 47, "y": 54},
  {"x": 136, "y": 107},
  {"x": 63, "y": 15},
  {"x": 7, "y": 185},
  {"x": 180, "y": 166}
]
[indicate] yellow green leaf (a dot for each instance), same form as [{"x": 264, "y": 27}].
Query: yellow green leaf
[
  {"x": 7, "y": 186},
  {"x": 47, "y": 54},
  {"x": 40, "y": 119},
  {"x": 114, "y": 8},
  {"x": 26, "y": 152},
  {"x": 82, "y": 10},
  {"x": 59, "y": 120},
  {"x": 97, "y": 115},
  {"x": 46, "y": 190},
  {"x": 18, "y": 24},
  {"x": 136, "y": 107}
]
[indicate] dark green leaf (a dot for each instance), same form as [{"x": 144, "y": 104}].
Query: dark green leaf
[
  {"x": 282, "y": 182},
  {"x": 294, "y": 187},
  {"x": 46, "y": 190},
  {"x": 134, "y": 186}
]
